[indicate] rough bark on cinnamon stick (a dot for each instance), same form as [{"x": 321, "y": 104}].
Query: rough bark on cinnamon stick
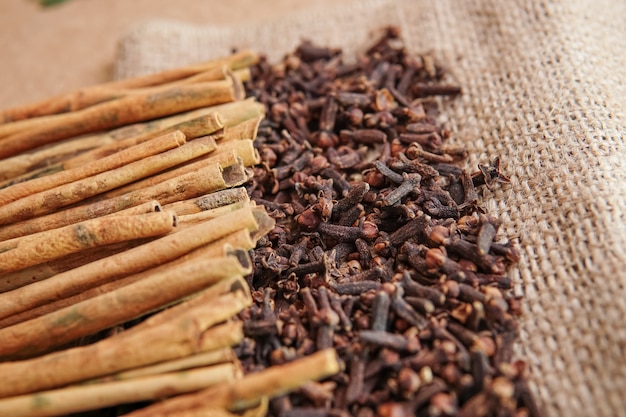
[
  {"x": 260, "y": 410},
  {"x": 193, "y": 184},
  {"x": 16, "y": 279},
  {"x": 190, "y": 183},
  {"x": 132, "y": 301},
  {"x": 232, "y": 244},
  {"x": 209, "y": 201},
  {"x": 200, "y": 329},
  {"x": 109, "y": 114},
  {"x": 68, "y": 155},
  {"x": 35, "y": 249},
  {"x": 203, "y": 125},
  {"x": 48, "y": 200},
  {"x": 245, "y": 130},
  {"x": 32, "y": 274},
  {"x": 42, "y": 271},
  {"x": 97, "y": 396},
  {"x": 203, "y": 359},
  {"x": 189, "y": 220},
  {"x": 223, "y": 291},
  {"x": 209, "y": 124},
  {"x": 231, "y": 114},
  {"x": 247, "y": 392},
  {"x": 78, "y": 151},
  {"x": 229, "y": 245},
  {"x": 116, "y": 160},
  {"x": 132, "y": 261},
  {"x": 231, "y": 153},
  {"x": 41, "y": 158},
  {"x": 120, "y": 112},
  {"x": 216, "y": 249}
]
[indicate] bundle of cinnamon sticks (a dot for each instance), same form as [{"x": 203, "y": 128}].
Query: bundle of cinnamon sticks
[{"x": 124, "y": 239}]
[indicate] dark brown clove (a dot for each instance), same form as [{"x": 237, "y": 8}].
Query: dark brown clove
[
  {"x": 354, "y": 288},
  {"x": 415, "y": 289},
  {"x": 387, "y": 339},
  {"x": 425, "y": 90},
  {"x": 380, "y": 311},
  {"x": 405, "y": 311},
  {"x": 413, "y": 228},
  {"x": 362, "y": 136}
]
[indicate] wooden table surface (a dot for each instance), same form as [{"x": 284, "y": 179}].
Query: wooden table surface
[{"x": 47, "y": 51}]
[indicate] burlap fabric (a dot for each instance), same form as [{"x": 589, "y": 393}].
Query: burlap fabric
[{"x": 544, "y": 88}]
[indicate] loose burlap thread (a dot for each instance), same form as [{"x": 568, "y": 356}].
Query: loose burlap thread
[{"x": 545, "y": 89}]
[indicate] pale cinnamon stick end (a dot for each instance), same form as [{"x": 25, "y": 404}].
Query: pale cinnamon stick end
[{"x": 239, "y": 91}]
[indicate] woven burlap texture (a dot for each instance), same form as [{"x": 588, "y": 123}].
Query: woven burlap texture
[{"x": 545, "y": 89}]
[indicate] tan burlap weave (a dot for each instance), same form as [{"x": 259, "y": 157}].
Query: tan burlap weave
[{"x": 545, "y": 89}]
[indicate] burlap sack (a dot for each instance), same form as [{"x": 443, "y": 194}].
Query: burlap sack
[{"x": 544, "y": 88}]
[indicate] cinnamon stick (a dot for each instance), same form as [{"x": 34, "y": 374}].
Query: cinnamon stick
[
  {"x": 213, "y": 74},
  {"x": 244, "y": 148},
  {"x": 35, "y": 249},
  {"x": 203, "y": 125},
  {"x": 47, "y": 201},
  {"x": 189, "y": 220},
  {"x": 126, "y": 263},
  {"x": 96, "y": 396},
  {"x": 231, "y": 287},
  {"x": 261, "y": 410},
  {"x": 203, "y": 359},
  {"x": 126, "y": 303},
  {"x": 264, "y": 222},
  {"x": 224, "y": 159},
  {"x": 47, "y": 159},
  {"x": 71, "y": 216},
  {"x": 240, "y": 239},
  {"x": 273, "y": 381},
  {"x": 231, "y": 114},
  {"x": 205, "y": 180},
  {"x": 151, "y": 206},
  {"x": 208, "y": 201},
  {"x": 134, "y": 153},
  {"x": 115, "y": 99},
  {"x": 197, "y": 331},
  {"x": 103, "y": 94},
  {"x": 239, "y": 111},
  {"x": 39, "y": 272},
  {"x": 235, "y": 61},
  {"x": 200, "y": 126},
  {"x": 210, "y": 250},
  {"x": 121, "y": 112},
  {"x": 247, "y": 129}
]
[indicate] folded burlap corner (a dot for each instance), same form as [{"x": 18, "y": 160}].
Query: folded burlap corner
[{"x": 545, "y": 89}]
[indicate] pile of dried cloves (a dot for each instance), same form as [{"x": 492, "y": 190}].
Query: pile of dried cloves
[{"x": 381, "y": 249}]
